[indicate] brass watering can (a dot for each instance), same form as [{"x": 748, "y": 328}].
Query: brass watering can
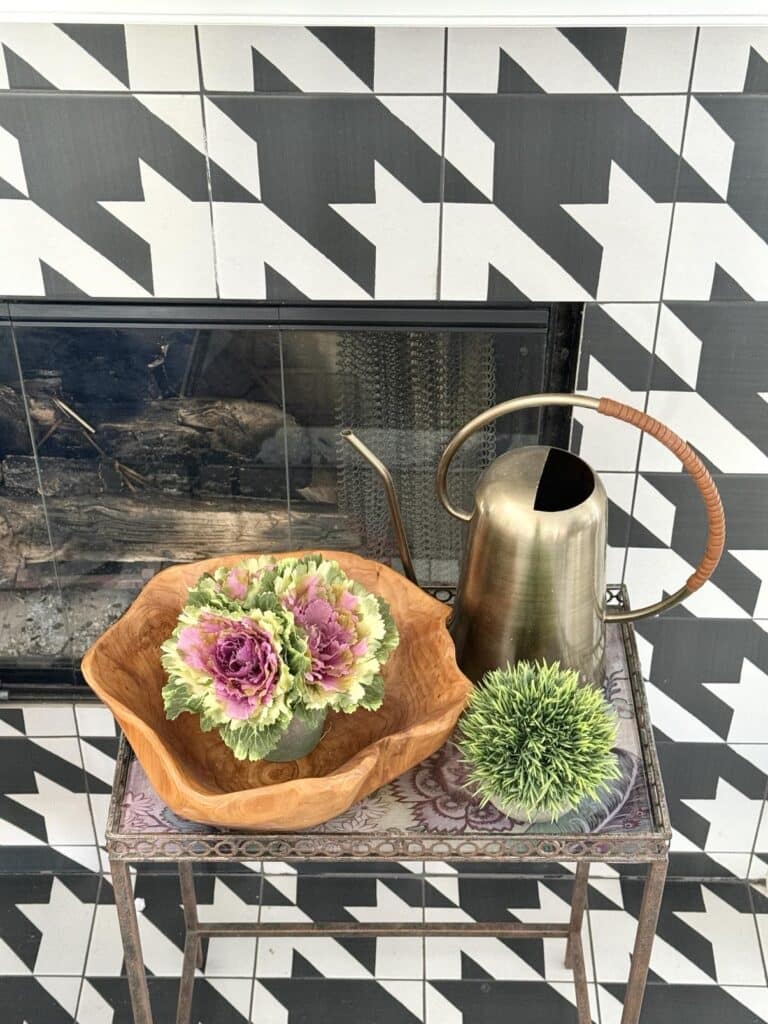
[{"x": 532, "y": 583}]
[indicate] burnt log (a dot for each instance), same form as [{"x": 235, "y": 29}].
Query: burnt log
[
  {"x": 59, "y": 476},
  {"x": 154, "y": 528}
]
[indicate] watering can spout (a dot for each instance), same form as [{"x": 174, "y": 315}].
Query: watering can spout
[{"x": 394, "y": 506}]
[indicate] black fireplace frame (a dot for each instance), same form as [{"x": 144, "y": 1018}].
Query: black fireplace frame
[{"x": 46, "y": 678}]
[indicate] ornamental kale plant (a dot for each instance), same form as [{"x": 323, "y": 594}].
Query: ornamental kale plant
[
  {"x": 264, "y": 641},
  {"x": 536, "y": 740}
]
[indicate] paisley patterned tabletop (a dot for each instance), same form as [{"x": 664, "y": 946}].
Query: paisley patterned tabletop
[{"x": 431, "y": 799}]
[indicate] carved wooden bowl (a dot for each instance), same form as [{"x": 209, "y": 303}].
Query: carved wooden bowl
[{"x": 197, "y": 775}]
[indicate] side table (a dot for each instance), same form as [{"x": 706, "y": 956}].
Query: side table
[{"x": 423, "y": 815}]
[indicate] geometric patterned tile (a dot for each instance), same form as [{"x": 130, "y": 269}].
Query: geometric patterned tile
[
  {"x": 706, "y": 933},
  {"x": 43, "y": 1000},
  {"x": 566, "y": 60},
  {"x": 718, "y": 247},
  {"x": 44, "y": 797},
  {"x": 94, "y": 720},
  {"x": 103, "y": 58},
  {"x": 668, "y": 1004},
  {"x": 146, "y": 204},
  {"x": 362, "y": 199},
  {"x": 731, "y": 60},
  {"x": 222, "y": 1000},
  {"x": 37, "y": 720},
  {"x": 700, "y": 346},
  {"x": 326, "y": 60},
  {"x": 693, "y": 864},
  {"x": 705, "y": 677},
  {"x": 556, "y": 230},
  {"x": 715, "y": 796},
  {"x": 45, "y": 859},
  {"x": 667, "y": 538},
  {"x": 616, "y": 359},
  {"x": 390, "y": 1002},
  {"x": 454, "y": 899},
  {"x": 350, "y": 898},
  {"x": 161, "y": 923},
  {"x": 35, "y": 912},
  {"x": 709, "y": 376},
  {"x": 478, "y": 1002}
]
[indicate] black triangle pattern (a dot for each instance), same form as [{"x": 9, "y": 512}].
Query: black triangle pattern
[
  {"x": 513, "y": 78},
  {"x": 105, "y": 43},
  {"x": 55, "y": 283},
  {"x": 8, "y": 191},
  {"x": 302, "y": 968},
  {"x": 501, "y": 289},
  {"x": 471, "y": 969},
  {"x": 22, "y": 75},
  {"x": 353, "y": 46},
  {"x": 757, "y": 72},
  {"x": 268, "y": 78},
  {"x": 280, "y": 289},
  {"x": 603, "y": 48},
  {"x": 724, "y": 287}
]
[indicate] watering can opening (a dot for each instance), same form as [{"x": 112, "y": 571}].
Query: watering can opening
[{"x": 565, "y": 482}]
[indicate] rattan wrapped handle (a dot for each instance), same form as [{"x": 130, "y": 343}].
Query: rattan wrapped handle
[
  {"x": 619, "y": 411},
  {"x": 701, "y": 477}
]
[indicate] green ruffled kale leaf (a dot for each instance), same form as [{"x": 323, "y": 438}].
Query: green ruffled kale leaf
[
  {"x": 374, "y": 694},
  {"x": 207, "y": 593},
  {"x": 177, "y": 698},
  {"x": 261, "y": 602},
  {"x": 391, "y": 637},
  {"x": 249, "y": 743}
]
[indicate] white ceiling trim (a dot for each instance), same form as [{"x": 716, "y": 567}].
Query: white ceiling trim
[{"x": 401, "y": 12}]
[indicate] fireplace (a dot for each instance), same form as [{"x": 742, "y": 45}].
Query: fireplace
[{"x": 135, "y": 436}]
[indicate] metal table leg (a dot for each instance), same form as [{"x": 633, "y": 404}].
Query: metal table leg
[
  {"x": 574, "y": 952},
  {"x": 646, "y": 930},
  {"x": 578, "y": 903},
  {"x": 193, "y": 952},
  {"x": 189, "y": 904},
  {"x": 129, "y": 931}
]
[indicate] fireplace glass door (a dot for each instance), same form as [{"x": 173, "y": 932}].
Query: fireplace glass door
[{"x": 133, "y": 437}]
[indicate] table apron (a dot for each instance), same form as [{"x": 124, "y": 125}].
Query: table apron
[{"x": 655, "y": 850}]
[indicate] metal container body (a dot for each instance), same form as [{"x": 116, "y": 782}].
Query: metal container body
[
  {"x": 533, "y": 580},
  {"x": 298, "y": 740}
]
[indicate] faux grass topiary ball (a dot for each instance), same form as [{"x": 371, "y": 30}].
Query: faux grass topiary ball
[{"x": 536, "y": 740}]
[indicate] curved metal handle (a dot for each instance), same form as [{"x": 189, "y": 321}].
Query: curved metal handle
[{"x": 617, "y": 410}]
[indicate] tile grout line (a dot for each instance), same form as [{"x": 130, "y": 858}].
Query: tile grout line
[
  {"x": 588, "y": 915},
  {"x": 753, "y": 851},
  {"x": 101, "y": 883},
  {"x": 207, "y": 155},
  {"x": 423, "y": 877},
  {"x": 96, "y": 840},
  {"x": 441, "y": 187},
  {"x": 252, "y": 998},
  {"x": 764, "y": 961},
  {"x": 660, "y": 303}
]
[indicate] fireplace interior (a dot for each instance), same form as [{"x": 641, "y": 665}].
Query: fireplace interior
[{"x": 132, "y": 437}]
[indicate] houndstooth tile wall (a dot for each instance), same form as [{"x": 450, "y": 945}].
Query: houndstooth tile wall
[{"x": 624, "y": 168}]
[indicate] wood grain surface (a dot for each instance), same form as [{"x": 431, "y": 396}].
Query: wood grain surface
[{"x": 197, "y": 775}]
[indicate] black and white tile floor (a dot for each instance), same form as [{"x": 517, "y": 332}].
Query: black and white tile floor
[{"x": 61, "y": 956}]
